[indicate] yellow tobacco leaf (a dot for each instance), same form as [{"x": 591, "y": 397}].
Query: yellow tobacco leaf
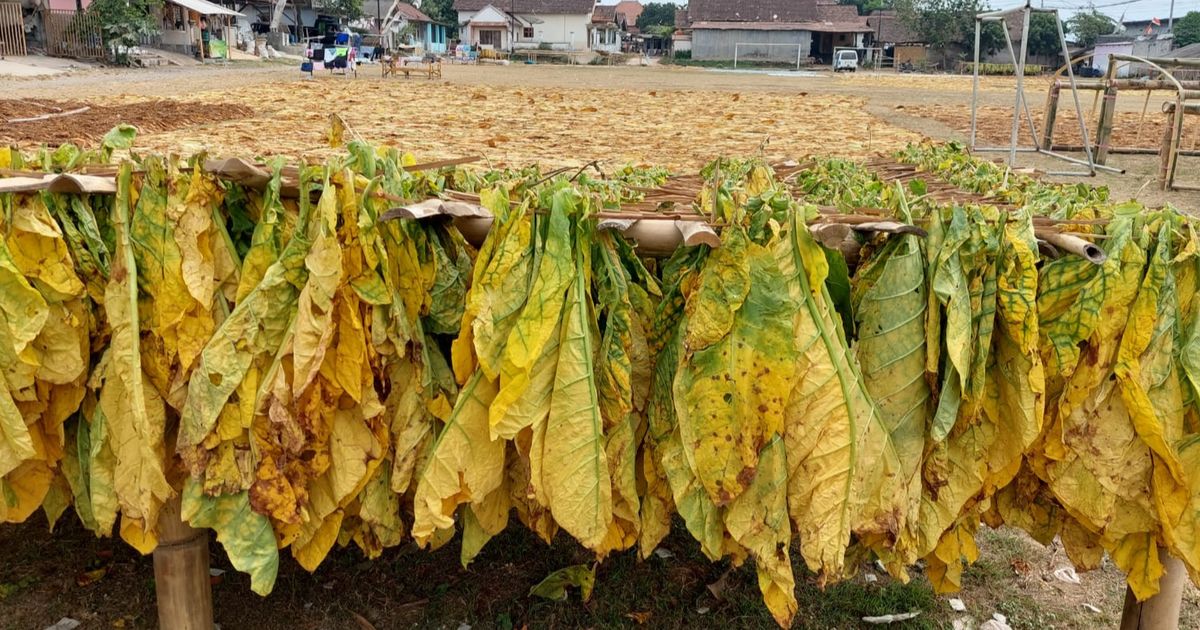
[
  {"x": 620, "y": 449},
  {"x": 315, "y": 309},
  {"x": 1137, "y": 556},
  {"x": 23, "y": 490},
  {"x": 758, "y": 521},
  {"x": 134, "y": 410},
  {"x": 657, "y": 505},
  {"x": 38, "y": 249},
  {"x": 379, "y": 511},
  {"x": 465, "y": 466},
  {"x": 16, "y": 446},
  {"x": 482, "y": 520},
  {"x": 23, "y": 311},
  {"x": 730, "y": 393},
  {"x": 574, "y": 470},
  {"x": 525, "y": 352},
  {"x": 945, "y": 564},
  {"x": 354, "y": 453},
  {"x": 528, "y": 404},
  {"x": 827, "y": 414}
]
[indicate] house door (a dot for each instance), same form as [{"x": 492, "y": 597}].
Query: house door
[{"x": 490, "y": 37}]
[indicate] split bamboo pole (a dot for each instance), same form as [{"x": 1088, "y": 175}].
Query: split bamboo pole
[{"x": 181, "y": 577}]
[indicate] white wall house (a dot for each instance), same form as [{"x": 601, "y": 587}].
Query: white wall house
[
  {"x": 520, "y": 24},
  {"x": 605, "y": 29}
]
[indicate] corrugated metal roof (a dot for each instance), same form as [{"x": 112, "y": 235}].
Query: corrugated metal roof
[{"x": 204, "y": 7}]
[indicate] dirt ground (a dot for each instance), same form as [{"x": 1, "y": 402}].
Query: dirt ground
[
  {"x": 571, "y": 115},
  {"x": 679, "y": 117}
]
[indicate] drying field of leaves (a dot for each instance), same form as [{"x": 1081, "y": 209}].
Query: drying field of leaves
[
  {"x": 1130, "y": 128},
  {"x": 521, "y": 125},
  {"x": 31, "y": 121}
]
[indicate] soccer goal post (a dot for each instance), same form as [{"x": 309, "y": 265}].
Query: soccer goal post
[{"x": 750, "y": 47}]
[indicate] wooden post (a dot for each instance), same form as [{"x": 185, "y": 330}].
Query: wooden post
[
  {"x": 181, "y": 575},
  {"x": 1160, "y": 612},
  {"x": 1104, "y": 134},
  {"x": 1164, "y": 157},
  {"x": 1050, "y": 117}
]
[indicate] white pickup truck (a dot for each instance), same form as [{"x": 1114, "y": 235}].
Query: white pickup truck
[{"x": 845, "y": 61}]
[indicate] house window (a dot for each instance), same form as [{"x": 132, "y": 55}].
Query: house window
[
  {"x": 527, "y": 32},
  {"x": 489, "y": 38}
]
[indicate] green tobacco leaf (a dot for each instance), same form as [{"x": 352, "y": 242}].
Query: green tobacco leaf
[
  {"x": 246, "y": 535},
  {"x": 554, "y": 587},
  {"x": 838, "y": 284}
]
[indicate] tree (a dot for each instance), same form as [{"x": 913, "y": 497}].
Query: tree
[
  {"x": 1187, "y": 29},
  {"x": 949, "y": 25},
  {"x": 866, "y": 7},
  {"x": 1088, "y": 26},
  {"x": 124, "y": 23},
  {"x": 1043, "y": 35},
  {"x": 442, "y": 11},
  {"x": 656, "y": 14},
  {"x": 344, "y": 9}
]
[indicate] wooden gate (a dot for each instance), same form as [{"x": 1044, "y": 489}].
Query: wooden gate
[
  {"x": 73, "y": 34},
  {"x": 12, "y": 30}
]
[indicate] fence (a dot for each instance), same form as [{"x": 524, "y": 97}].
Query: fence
[
  {"x": 12, "y": 30},
  {"x": 73, "y": 34}
]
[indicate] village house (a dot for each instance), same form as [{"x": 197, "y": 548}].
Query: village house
[
  {"x": 415, "y": 28},
  {"x": 782, "y": 29},
  {"x": 628, "y": 12},
  {"x": 523, "y": 24},
  {"x": 899, "y": 43},
  {"x": 605, "y": 30}
]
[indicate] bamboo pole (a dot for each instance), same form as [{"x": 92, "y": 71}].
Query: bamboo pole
[
  {"x": 1050, "y": 117},
  {"x": 1160, "y": 612},
  {"x": 1104, "y": 132},
  {"x": 181, "y": 576}
]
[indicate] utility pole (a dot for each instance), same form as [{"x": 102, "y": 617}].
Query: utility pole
[{"x": 1171, "y": 18}]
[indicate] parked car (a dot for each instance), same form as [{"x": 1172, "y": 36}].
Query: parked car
[{"x": 845, "y": 61}]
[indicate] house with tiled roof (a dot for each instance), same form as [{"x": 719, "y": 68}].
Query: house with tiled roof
[
  {"x": 773, "y": 30},
  {"x": 897, "y": 40},
  {"x": 605, "y": 31},
  {"x": 524, "y": 24},
  {"x": 414, "y": 27}
]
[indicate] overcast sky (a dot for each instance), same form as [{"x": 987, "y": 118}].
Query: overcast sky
[{"x": 1132, "y": 10}]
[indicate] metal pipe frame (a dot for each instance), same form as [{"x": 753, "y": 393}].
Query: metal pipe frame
[{"x": 1021, "y": 102}]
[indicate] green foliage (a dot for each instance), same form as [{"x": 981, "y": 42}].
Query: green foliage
[
  {"x": 124, "y": 23},
  {"x": 1187, "y": 29},
  {"x": 343, "y": 9},
  {"x": 1087, "y": 27},
  {"x": 1043, "y": 35},
  {"x": 442, "y": 11},
  {"x": 949, "y": 25},
  {"x": 660, "y": 30},
  {"x": 865, "y": 7},
  {"x": 656, "y": 14}
]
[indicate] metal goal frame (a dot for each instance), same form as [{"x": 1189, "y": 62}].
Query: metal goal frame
[
  {"x": 799, "y": 50},
  {"x": 1021, "y": 105}
]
